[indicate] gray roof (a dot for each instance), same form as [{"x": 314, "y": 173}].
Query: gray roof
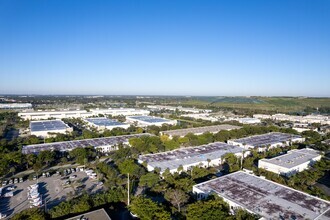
[
  {"x": 103, "y": 122},
  {"x": 293, "y": 158},
  {"x": 48, "y": 125},
  {"x": 70, "y": 145},
  {"x": 190, "y": 155},
  {"x": 149, "y": 119},
  {"x": 266, "y": 198},
  {"x": 99, "y": 214},
  {"x": 266, "y": 139},
  {"x": 200, "y": 130}
]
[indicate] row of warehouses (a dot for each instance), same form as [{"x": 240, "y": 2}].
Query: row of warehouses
[
  {"x": 240, "y": 189},
  {"x": 46, "y": 128}
]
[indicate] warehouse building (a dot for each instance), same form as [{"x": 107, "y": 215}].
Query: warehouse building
[
  {"x": 269, "y": 140},
  {"x": 204, "y": 155},
  {"x": 292, "y": 162},
  {"x": 48, "y": 127},
  {"x": 105, "y": 144},
  {"x": 104, "y": 123},
  {"x": 15, "y": 105},
  {"x": 178, "y": 108},
  {"x": 263, "y": 197},
  {"x": 201, "y": 116},
  {"x": 249, "y": 120},
  {"x": 120, "y": 111},
  {"x": 99, "y": 214},
  {"x": 200, "y": 130},
  {"x": 43, "y": 115},
  {"x": 144, "y": 121}
]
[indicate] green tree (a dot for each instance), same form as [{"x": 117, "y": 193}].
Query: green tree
[
  {"x": 212, "y": 209},
  {"x": 149, "y": 180},
  {"x": 146, "y": 209}
]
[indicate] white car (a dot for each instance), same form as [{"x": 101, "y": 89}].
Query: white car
[
  {"x": 73, "y": 177},
  {"x": 11, "y": 187}
]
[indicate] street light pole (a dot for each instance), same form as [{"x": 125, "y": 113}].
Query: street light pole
[{"x": 128, "y": 202}]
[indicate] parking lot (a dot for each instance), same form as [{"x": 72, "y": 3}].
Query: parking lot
[{"x": 53, "y": 190}]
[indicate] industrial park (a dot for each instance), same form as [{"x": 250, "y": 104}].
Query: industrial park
[{"x": 164, "y": 110}]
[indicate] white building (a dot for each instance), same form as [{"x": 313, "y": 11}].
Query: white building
[
  {"x": 262, "y": 116},
  {"x": 105, "y": 144},
  {"x": 249, "y": 120},
  {"x": 321, "y": 119},
  {"x": 291, "y": 163},
  {"x": 15, "y": 105},
  {"x": 144, "y": 121},
  {"x": 43, "y": 115},
  {"x": 263, "y": 197},
  {"x": 120, "y": 111},
  {"x": 48, "y": 127},
  {"x": 178, "y": 108},
  {"x": 199, "y": 130},
  {"x": 269, "y": 140},
  {"x": 204, "y": 156},
  {"x": 105, "y": 123},
  {"x": 202, "y": 116}
]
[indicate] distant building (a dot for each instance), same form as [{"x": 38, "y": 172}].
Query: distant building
[
  {"x": 292, "y": 162},
  {"x": 105, "y": 144},
  {"x": 47, "y": 127},
  {"x": 144, "y": 121},
  {"x": 264, "y": 141},
  {"x": 43, "y": 115},
  {"x": 204, "y": 155},
  {"x": 105, "y": 123},
  {"x": 201, "y": 116},
  {"x": 99, "y": 214},
  {"x": 249, "y": 120},
  {"x": 310, "y": 119},
  {"x": 200, "y": 130},
  {"x": 120, "y": 111},
  {"x": 178, "y": 108},
  {"x": 301, "y": 127},
  {"x": 262, "y": 116},
  {"x": 263, "y": 197},
  {"x": 15, "y": 105}
]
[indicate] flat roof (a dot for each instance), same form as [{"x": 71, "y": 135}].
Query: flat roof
[
  {"x": 70, "y": 145},
  {"x": 293, "y": 158},
  {"x": 52, "y": 112},
  {"x": 104, "y": 122},
  {"x": 149, "y": 119},
  {"x": 212, "y": 129},
  {"x": 190, "y": 155},
  {"x": 99, "y": 214},
  {"x": 48, "y": 125},
  {"x": 266, "y": 198},
  {"x": 266, "y": 139}
]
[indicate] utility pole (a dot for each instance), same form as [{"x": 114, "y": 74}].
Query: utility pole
[{"x": 128, "y": 189}]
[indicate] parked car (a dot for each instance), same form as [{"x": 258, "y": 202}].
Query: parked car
[
  {"x": 21, "y": 180},
  {"x": 11, "y": 187},
  {"x": 73, "y": 170},
  {"x": 4, "y": 183},
  {"x": 34, "y": 177},
  {"x": 11, "y": 181},
  {"x": 16, "y": 180},
  {"x": 73, "y": 176}
]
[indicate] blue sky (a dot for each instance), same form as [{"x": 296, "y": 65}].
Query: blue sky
[{"x": 165, "y": 47}]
